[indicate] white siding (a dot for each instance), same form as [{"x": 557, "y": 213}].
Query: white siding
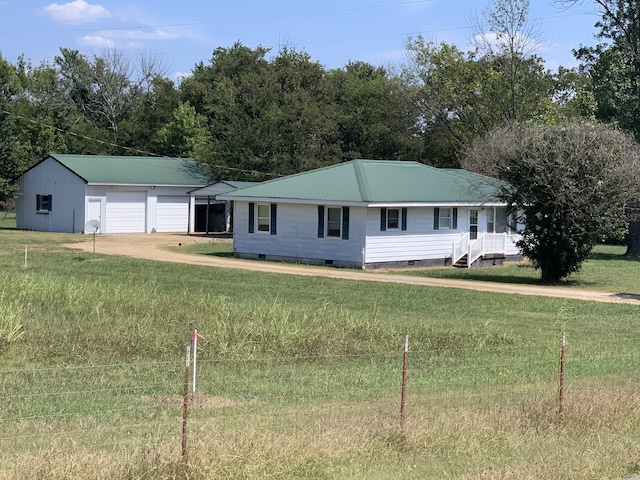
[
  {"x": 419, "y": 242},
  {"x": 125, "y": 212},
  {"x": 297, "y": 234},
  {"x": 297, "y": 237},
  {"x": 172, "y": 213},
  {"x": 67, "y": 191}
]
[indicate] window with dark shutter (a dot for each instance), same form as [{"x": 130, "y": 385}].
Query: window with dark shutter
[
  {"x": 454, "y": 219},
  {"x": 436, "y": 218},
  {"x": 345, "y": 223},
  {"x": 320, "y": 221},
  {"x": 274, "y": 215},
  {"x": 252, "y": 217},
  {"x": 383, "y": 219},
  {"x": 404, "y": 219}
]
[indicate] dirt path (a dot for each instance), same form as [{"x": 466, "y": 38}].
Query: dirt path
[{"x": 154, "y": 247}]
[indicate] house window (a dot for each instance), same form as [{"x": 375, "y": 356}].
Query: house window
[
  {"x": 43, "y": 203},
  {"x": 445, "y": 218},
  {"x": 264, "y": 219},
  {"x": 491, "y": 216},
  {"x": 334, "y": 222},
  {"x": 502, "y": 220},
  {"x": 264, "y": 216},
  {"x": 393, "y": 219}
]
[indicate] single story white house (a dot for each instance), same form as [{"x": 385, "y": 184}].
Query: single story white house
[
  {"x": 372, "y": 214},
  {"x": 121, "y": 194}
]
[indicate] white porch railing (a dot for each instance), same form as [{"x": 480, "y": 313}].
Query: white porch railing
[
  {"x": 460, "y": 248},
  {"x": 485, "y": 244}
]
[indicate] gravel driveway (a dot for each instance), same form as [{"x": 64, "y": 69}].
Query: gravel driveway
[{"x": 154, "y": 247}]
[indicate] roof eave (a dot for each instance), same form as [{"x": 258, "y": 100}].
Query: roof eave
[
  {"x": 106, "y": 184},
  {"x": 400, "y": 204}
]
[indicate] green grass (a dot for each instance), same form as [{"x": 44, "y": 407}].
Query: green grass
[
  {"x": 607, "y": 270},
  {"x": 7, "y": 220},
  {"x": 299, "y": 376}
]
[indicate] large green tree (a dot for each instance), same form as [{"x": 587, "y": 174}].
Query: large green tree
[
  {"x": 286, "y": 114},
  {"x": 9, "y": 88},
  {"x": 376, "y": 113},
  {"x": 464, "y": 95},
  {"x": 614, "y": 67},
  {"x": 568, "y": 184}
]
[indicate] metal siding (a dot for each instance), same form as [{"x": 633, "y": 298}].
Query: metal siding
[
  {"x": 125, "y": 212},
  {"x": 172, "y": 213},
  {"x": 67, "y": 191}
]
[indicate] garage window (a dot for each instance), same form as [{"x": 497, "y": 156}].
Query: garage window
[{"x": 43, "y": 203}]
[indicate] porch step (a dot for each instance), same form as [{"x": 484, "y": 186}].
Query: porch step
[{"x": 462, "y": 263}]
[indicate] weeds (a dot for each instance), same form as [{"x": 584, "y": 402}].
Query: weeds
[{"x": 300, "y": 377}]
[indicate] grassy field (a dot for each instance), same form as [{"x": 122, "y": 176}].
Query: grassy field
[
  {"x": 608, "y": 270},
  {"x": 299, "y": 377}
]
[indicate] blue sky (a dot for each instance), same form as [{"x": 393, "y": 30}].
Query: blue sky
[{"x": 332, "y": 32}]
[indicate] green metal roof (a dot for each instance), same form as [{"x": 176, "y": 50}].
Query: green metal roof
[
  {"x": 124, "y": 170},
  {"x": 377, "y": 181},
  {"x": 239, "y": 184}
]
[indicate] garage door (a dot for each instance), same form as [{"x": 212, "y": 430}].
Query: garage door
[
  {"x": 172, "y": 213},
  {"x": 126, "y": 212}
]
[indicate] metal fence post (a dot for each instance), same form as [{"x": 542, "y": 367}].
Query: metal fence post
[
  {"x": 404, "y": 381},
  {"x": 561, "y": 380},
  {"x": 185, "y": 405}
]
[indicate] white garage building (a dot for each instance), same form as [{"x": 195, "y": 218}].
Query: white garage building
[{"x": 128, "y": 194}]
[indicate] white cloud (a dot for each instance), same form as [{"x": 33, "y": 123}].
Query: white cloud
[
  {"x": 98, "y": 41},
  {"x": 124, "y": 38},
  {"x": 139, "y": 34},
  {"x": 76, "y": 12}
]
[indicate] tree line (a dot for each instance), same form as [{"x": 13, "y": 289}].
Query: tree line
[{"x": 252, "y": 114}]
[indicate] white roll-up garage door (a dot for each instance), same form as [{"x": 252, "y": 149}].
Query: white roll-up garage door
[
  {"x": 126, "y": 212},
  {"x": 172, "y": 213}
]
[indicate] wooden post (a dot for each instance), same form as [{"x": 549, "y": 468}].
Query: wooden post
[
  {"x": 404, "y": 380},
  {"x": 185, "y": 405}
]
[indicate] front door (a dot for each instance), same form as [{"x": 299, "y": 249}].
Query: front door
[{"x": 473, "y": 224}]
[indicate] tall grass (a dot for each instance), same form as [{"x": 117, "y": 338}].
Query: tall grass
[{"x": 299, "y": 377}]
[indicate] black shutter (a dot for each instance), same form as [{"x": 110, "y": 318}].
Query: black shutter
[
  {"x": 50, "y": 203},
  {"x": 383, "y": 219},
  {"x": 274, "y": 218},
  {"x": 436, "y": 218},
  {"x": 404, "y": 219},
  {"x": 38, "y": 201},
  {"x": 345, "y": 223},
  {"x": 252, "y": 217},
  {"x": 320, "y": 221},
  {"x": 454, "y": 220}
]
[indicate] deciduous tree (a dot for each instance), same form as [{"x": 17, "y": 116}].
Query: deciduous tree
[{"x": 568, "y": 184}]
